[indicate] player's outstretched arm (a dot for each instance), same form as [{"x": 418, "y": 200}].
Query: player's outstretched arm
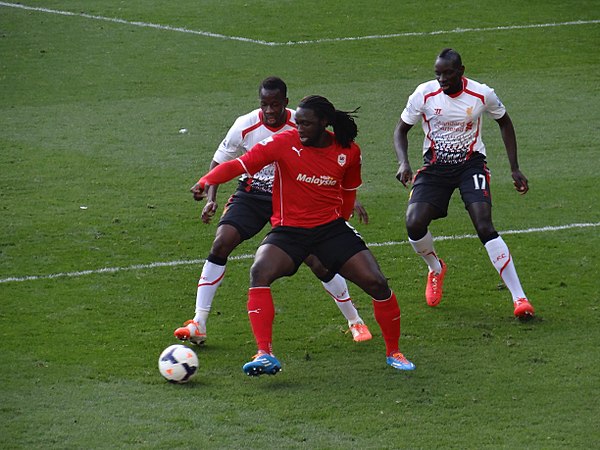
[
  {"x": 219, "y": 175},
  {"x": 197, "y": 191}
]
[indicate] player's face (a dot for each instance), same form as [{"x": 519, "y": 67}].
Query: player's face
[
  {"x": 310, "y": 127},
  {"x": 273, "y": 103},
  {"x": 449, "y": 75}
]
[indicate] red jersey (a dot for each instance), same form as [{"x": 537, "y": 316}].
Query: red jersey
[{"x": 307, "y": 190}]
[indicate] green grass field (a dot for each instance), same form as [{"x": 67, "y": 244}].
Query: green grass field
[{"x": 94, "y": 174}]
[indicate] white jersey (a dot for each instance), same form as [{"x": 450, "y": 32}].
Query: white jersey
[
  {"x": 452, "y": 123},
  {"x": 245, "y": 132}
]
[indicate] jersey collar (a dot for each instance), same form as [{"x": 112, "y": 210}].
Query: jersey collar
[
  {"x": 287, "y": 120},
  {"x": 464, "y": 86}
]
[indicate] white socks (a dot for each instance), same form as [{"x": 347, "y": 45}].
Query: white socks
[
  {"x": 424, "y": 248},
  {"x": 212, "y": 275},
  {"x": 338, "y": 289},
  {"x": 497, "y": 251},
  {"x": 502, "y": 261},
  {"x": 210, "y": 279}
]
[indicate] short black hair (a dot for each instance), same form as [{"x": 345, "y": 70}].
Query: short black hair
[
  {"x": 273, "y": 84},
  {"x": 451, "y": 55}
]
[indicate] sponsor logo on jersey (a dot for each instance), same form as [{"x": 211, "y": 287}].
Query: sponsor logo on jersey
[
  {"x": 322, "y": 180},
  {"x": 297, "y": 150}
]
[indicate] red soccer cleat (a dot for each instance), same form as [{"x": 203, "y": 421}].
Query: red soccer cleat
[
  {"x": 360, "y": 332},
  {"x": 433, "y": 292},
  {"x": 523, "y": 309}
]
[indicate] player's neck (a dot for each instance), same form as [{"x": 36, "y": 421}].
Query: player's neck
[{"x": 325, "y": 140}]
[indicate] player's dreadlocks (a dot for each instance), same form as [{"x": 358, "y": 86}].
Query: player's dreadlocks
[{"x": 343, "y": 124}]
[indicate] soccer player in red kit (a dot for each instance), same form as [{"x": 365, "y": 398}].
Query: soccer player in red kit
[
  {"x": 249, "y": 209},
  {"x": 317, "y": 173},
  {"x": 451, "y": 109}
]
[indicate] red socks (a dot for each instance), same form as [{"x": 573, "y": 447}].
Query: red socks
[
  {"x": 387, "y": 315},
  {"x": 261, "y": 313}
]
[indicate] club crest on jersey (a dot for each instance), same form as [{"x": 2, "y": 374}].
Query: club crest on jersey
[{"x": 342, "y": 159}]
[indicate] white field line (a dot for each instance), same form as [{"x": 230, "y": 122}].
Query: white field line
[
  {"x": 292, "y": 43},
  {"x": 249, "y": 256}
]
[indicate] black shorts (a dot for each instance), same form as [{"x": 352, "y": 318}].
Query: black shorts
[
  {"x": 247, "y": 213},
  {"x": 333, "y": 243},
  {"x": 435, "y": 184}
]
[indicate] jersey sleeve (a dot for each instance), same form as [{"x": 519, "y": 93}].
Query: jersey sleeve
[
  {"x": 260, "y": 155},
  {"x": 494, "y": 106},
  {"x": 222, "y": 173},
  {"x": 413, "y": 111},
  {"x": 352, "y": 177},
  {"x": 231, "y": 146}
]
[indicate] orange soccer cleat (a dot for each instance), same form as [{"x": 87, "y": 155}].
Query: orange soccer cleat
[
  {"x": 435, "y": 282},
  {"x": 191, "y": 331}
]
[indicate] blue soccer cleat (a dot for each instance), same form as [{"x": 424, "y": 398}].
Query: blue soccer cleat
[
  {"x": 399, "y": 361},
  {"x": 263, "y": 363}
]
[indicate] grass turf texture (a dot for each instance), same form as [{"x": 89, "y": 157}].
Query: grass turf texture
[{"x": 90, "y": 117}]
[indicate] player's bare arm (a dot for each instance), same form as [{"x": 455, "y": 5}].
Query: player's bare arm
[
  {"x": 360, "y": 212},
  {"x": 404, "y": 174},
  {"x": 210, "y": 208},
  {"x": 198, "y": 192},
  {"x": 509, "y": 138}
]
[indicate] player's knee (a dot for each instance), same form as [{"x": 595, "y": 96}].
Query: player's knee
[
  {"x": 261, "y": 274},
  {"x": 416, "y": 226},
  {"x": 376, "y": 285},
  {"x": 222, "y": 248}
]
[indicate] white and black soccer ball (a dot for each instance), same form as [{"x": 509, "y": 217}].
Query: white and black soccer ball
[{"x": 178, "y": 363}]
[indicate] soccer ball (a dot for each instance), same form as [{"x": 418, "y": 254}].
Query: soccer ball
[{"x": 178, "y": 363}]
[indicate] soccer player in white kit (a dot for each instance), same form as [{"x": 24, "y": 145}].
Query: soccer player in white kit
[
  {"x": 249, "y": 209},
  {"x": 450, "y": 109}
]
